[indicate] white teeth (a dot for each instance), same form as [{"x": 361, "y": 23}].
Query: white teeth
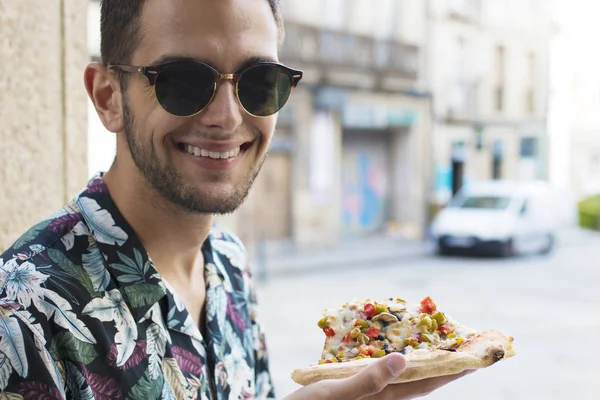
[{"x": 198, "y": 152}]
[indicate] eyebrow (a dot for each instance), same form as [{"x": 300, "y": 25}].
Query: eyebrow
[{"x": 167, "y": 58}]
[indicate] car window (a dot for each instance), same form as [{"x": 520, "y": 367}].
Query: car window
[{"x": 486, "y": 202}]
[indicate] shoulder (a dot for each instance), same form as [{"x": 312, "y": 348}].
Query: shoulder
[
  {"x": 59, "y": 227},
  {"x": 220, "y": 233},
  {"x": 44, "y": 268},
  {"x": 228, "y": 247}
]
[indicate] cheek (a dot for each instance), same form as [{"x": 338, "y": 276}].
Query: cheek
[
  {"x": 161, "y": 125},
  {"x": 266, "y": 127}
]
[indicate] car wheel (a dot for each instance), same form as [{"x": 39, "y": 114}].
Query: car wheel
[
  {"x": 547, "y": 249},
  {"x": 508, "y": 248}
]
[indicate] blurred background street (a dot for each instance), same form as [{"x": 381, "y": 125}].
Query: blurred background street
[
  {"x": 420, "y": 128},
  {"x": 548, "y": 303}
]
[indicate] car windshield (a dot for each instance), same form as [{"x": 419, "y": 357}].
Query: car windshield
[{"x": 485, "y": 202}]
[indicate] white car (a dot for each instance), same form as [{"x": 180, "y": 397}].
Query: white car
[{"x": 502, "y": 217}]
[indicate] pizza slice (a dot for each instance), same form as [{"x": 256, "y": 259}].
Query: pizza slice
[{"x": 433, "y": 343}]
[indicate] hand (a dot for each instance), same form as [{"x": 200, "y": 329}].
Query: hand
[{"x": 374, "y": 384}]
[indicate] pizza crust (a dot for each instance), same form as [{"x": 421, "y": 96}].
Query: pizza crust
[{"x": 480, "y": 351}]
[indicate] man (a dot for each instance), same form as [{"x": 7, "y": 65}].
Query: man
[{"x": 130, "y": 291}]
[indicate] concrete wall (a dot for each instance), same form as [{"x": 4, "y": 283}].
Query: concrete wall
[{"x": 43, "y": 125}]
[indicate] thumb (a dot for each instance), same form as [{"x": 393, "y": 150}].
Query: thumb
[{"x": 374, "y": 378}]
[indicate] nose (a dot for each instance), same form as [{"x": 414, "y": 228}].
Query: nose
[{"x": 224, "y": 112}]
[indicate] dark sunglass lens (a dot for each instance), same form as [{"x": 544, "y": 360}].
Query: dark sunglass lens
[
  {"x": 264, "y": 89},
  {"x": 185, "y": 88}
]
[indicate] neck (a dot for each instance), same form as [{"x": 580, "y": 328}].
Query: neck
[{"x": 172, "y": 236}]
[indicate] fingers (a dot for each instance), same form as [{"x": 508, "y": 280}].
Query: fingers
[
  {"x": 372, "y": 379},
  {"x": 374, "y": 383},
  {"x": 413, "y": 390}
]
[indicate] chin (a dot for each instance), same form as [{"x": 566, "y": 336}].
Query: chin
[{"x": 221, "y": 199}]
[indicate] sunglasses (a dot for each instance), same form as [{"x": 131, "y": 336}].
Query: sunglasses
[{"x": 185, "y": 88}]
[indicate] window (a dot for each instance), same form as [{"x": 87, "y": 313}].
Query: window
[
  {"x": 484, "y": 203},
  {"x": 529, "y": 147},
  {"x": 499, "y": 78}
]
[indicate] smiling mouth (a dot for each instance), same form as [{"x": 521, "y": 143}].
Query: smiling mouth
[{"x": 215, "y": 155}]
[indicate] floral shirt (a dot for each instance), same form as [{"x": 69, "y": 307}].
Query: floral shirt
[{"x": 85, "y": 315}]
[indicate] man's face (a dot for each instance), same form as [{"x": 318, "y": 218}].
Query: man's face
[{"x": 224, "y": 34}]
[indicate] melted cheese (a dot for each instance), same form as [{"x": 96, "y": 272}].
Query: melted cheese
[{"x": 404, "y": 335}]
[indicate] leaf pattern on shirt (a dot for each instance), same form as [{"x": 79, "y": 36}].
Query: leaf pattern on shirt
[
  {"x": 187, "y": 361},
  {"x": 144, "y": 294},
  {"x": 10, "y": 396},
  {"x": 217, "y": 306},
  {"x": 112, "y": 308},
  {"x": 155, "y": 348},
  {"x": 84, "y": 314},
  {"x": 139, "y": 355},
  {"x": 77, "y": 384},
  {"x": 134, "y": 271},
  {"x": 50, "y": 364},
  {"x": 174, "y": 377},
  {"x": 147, "y": 388},
  {"x": 32, "y": 390},
  {"x": 103, "y": 387},
  {"x": 232, "y": 251},
  {"x": 93, "y": 264},
  {"x": 61, "y": 312},
  {"x": 66, "y": 346},
  {"x": 12, "y": 344},
  {"x": 101, "y": 223},
  {"x": 31, "y": 234},
  {"x": 63, "y": 262},
  {"x": 68, "y": 239},
  {"x": 167, "y": 393},
  {"x": 5, "y": 371}
]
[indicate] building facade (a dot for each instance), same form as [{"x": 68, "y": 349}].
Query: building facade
[
  {"x": 351, "y": 148},
  {"x": 488, "y": 70}
]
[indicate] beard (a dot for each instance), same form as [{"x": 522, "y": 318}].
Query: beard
[{"x": 169, "y": 183}]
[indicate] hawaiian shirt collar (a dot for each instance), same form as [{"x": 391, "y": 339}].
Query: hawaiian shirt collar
[{"x": 126, "y": 258}]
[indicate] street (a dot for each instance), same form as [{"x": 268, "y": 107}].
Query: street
[{"x": 549, "y": 304}]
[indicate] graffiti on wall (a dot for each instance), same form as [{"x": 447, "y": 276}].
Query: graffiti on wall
[{"x": 365, "y": 189}]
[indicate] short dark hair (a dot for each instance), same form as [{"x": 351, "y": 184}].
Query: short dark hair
[{"x": 120, "y": 28}]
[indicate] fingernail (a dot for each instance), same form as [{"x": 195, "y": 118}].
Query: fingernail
[{"x": 396, "y": 364}]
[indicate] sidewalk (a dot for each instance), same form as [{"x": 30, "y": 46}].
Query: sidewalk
[
  {"x": 349, "y": 253},
  {"x": 283, "y": 259}
]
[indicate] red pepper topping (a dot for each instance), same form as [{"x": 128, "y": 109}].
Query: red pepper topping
[
  {"x": 347, "y": 338},
  {"x": 369, "y": 310},
  {"x": 428, "y": 306},
  {"x": 329, "y": 332},
  {"x": 373, "y": 332},
  {"x": 444, "y": 330}
]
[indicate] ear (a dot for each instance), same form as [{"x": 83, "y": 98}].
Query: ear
[{"x": 105, "y": 92}]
